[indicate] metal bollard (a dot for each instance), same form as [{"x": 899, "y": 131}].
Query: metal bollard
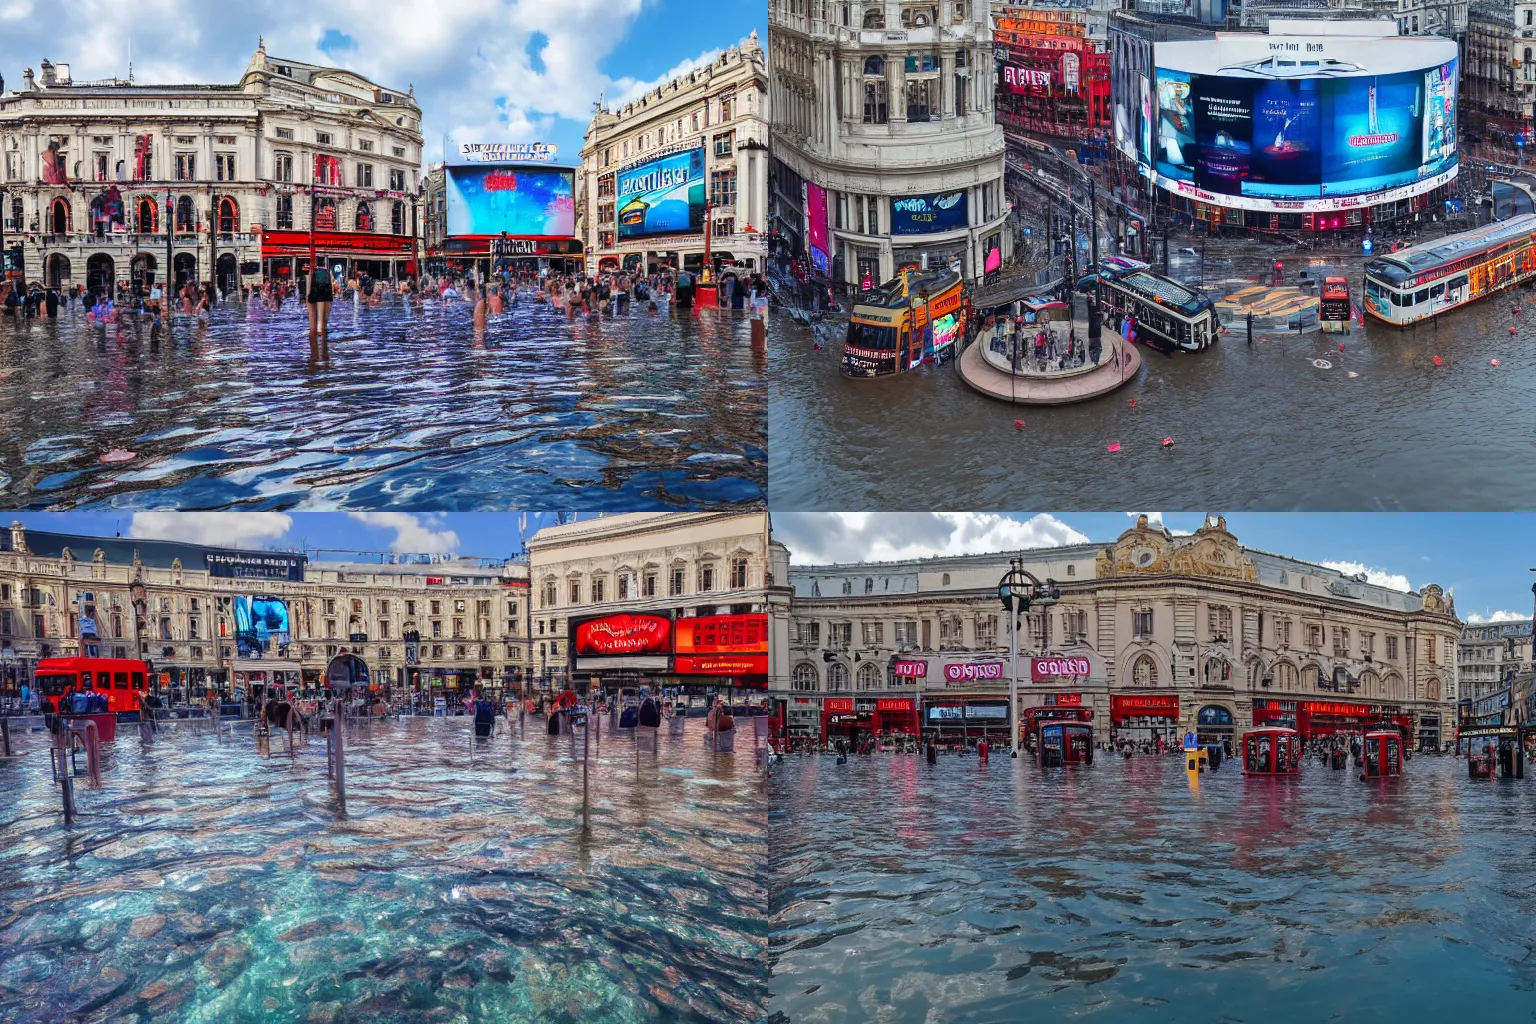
[
  {"x": 60, "y": 754},
  {"x": 338, "y": 731},
  {"x": 5, "y": 738}
]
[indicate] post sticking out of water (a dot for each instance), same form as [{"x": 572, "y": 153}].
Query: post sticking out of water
[
  {"x": 338, "y": 732},
  {"x": 586, "y": 761},
  {"x": 5, "y": 738},
  {"x": 61, "y": 741}
]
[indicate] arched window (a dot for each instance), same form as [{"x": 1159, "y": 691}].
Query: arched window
[
  {"x": 397, "y": 217},
  {"x": 803, "y": 677},
  {"x": 870, "y": 676},
  {"x": 874, "y": 66},
  {"x": 58, "y": 217},
  {"x": 874, "y": 17},
  {"x": 1144, "y": 671},
  {"x": 229, "y": 216},
  {"x": 1311, "y": 675},
  {"x": 186, "y": 217},
  {"x": 946, "y": 579},
  {"x": 847, "y": 587},
  {"x": 1256, "y": 674},
  {"x": 364, "y": 216},
  {"x": 837, "y": 677},
  {"x": 1370, "y": 685},
  {"x": 869, "y": 585},
  {"x": 1432, "y": 689},
  {"x": 1218, "y": 670},
  {"x": 146, "y": 215},
  {"x": 1285, "y": 676}
]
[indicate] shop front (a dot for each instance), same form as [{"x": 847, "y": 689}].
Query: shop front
[
  {"x": 1429, "y": 732},
  {"x": 285, "y": 254},
  {"x": 1144, "y": 718},
  {"x": 1276, "y": 714},
  {"x": 966, "y": 717},
  {"x": 841, "y": 720},
  {"x": 727, "y": 652},
  {"x": 621, "y": 651},
  {"x": 1214, "y": 724},
  {"x": 1318, "y": 718},
  {"x": 893, "y": 715}
]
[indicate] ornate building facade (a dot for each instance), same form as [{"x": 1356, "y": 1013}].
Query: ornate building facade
[
  {"x": 105, "y": 181},
  {"x": 173, "y": 605},
  {"x": 1491, "y": 655},
  {"x": 634, "y": 567},
  {"x": 718, "y": 111},
  {"x": 1152, "y": 635},
  {"x": 885, "y": 147}
]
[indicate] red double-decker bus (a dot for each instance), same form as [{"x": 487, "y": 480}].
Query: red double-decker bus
[{"x": 121, "y": 680}]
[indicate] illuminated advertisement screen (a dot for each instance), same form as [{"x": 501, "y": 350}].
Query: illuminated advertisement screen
[
  {"x": 1309, "y": 131},
  {"x": 944, "y": 330},
  {"x": 816, "y": 213},
  {"x": 258, "y": 621},
  {"x": 930, "y": 214},
  {"x": 520, "y": 200},
  {"x": 664, "y": 196}
]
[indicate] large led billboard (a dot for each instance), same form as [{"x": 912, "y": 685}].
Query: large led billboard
[
  {"x": 1304, "y": 123},
  {"x": 258, "y": 621},
  {"x": 664, "y": 196},
  {"x": 522, "y": 201},
  {"x": 816, "y": 214}
]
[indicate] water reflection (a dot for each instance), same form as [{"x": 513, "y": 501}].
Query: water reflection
[
  {"x": 206, "y": 883},
  {"x": 970, "y": 893},
  {"x": 398, "y": 408}
]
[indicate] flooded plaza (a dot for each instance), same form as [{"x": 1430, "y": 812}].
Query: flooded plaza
[
  {"x": 969, "y": 892},
  {"x": 403, "y": 409},
  {"x": 206, "y": 881},
  {"x": 1291, "y": 422}
]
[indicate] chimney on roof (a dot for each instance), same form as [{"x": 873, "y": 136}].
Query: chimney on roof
[
  {"x": 26, "y": 80},
  {"x": 49, "y": 78}
]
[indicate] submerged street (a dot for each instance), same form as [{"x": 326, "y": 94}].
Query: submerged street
[{"x": 404, "y": 408}]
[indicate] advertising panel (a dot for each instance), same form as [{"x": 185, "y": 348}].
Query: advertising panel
[
  {"x": 930, "y": 214},
  {"x": 258, "y": 621},
  {"x": 664, "y": 196},
  {"x": 1045, "y": 670},
  {"x": 906, "y": 668},
  {"x": 621, "y": 634},
  {"x": 723, "y": 634},
  {"x": 972, "y": 671},
  {"x": 816, "y": 230},
  {"x": 531, "y": 202},
  {"x": 237, "y": 565},
  {"x": 1305, "y": 123}
]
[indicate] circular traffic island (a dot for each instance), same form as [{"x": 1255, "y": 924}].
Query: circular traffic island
[{"x": 1024, "y": 382}]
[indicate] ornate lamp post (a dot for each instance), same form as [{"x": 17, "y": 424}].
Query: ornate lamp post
[{"x": 1018, "y": 589}]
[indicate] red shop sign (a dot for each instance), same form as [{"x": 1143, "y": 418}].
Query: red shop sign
[
  {"x": 1145, "y": 705},
  {"x": 893, "y": 704},
  {"x": 624, "y": 634},
  {"x": 837, "y": 704},
  {"x": 1329, "y": 707},
  {"x": 1069, "y": 700},
  {"x": 721, "y": 665},
  {"x": 911, "y": 669},
  {"x": 1043, "y": 669},
  {"x": 724, "y": 634}
]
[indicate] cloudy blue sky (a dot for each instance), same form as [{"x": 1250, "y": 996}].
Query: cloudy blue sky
[
  {"x": 483, "y": 70},
  {"x": 1483, "y": 559}
]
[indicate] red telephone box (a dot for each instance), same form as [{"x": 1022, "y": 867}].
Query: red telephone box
[
  {"x": 1382, "y": 757},
  {"x": 1063, "y": 743},
  {"x": 1274, "y": 751}
]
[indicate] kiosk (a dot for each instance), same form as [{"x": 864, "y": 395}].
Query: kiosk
[
  {"x": 1382, "y": 755},
  {"x": 1273, "y": 751},
  {"x": 1064, "y": 743}
]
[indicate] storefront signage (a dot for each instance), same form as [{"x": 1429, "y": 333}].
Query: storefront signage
[
  {"x": 837, "y": 704},
  {"x": 721, "y": 665},
  {"x": 1064, "y": 700},
  {"x": 1046, "y": 669},
  {"x": 921, "y": 215},
  {"x": 723, "y": 634},
  {"x": 230, "y": 565},
  {"x": 505, "y": 152},
  {"x": 624, "y": 634},
  {"x": 970, "y": 671},
  {"x": 1328, "y": 707},
  {"x": 893, "y": 704},
  {"x": 998, "y": 711},
  {"x": 911, "y": 669},
  {"x": 434, "y": 581},
  {"x": 1145, "y": 705}
]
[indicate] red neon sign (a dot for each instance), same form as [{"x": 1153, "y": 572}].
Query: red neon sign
[
  {"x": 837, "y": 704},
  {"x": 893, "y": 704},
  {"x": 723, "y": 634},
  {"x": 624, "y": 634}
]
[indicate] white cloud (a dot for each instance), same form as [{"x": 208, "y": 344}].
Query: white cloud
[
  {"x": 413, "y": 533},
  {"x": 220, "y": 529},
  {"x": 1478, "y": 618},
  {"x": 1380, "y": 577},
  {"x": 468, "y": 60},
  {"x": 815, "y": 537},
  {"x": 1155, "y": 519}
]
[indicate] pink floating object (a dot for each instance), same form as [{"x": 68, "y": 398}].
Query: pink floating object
[
  {"x": 119, "y": 455},
  {"x": 1114, "y": 447},
  {"x": 1167, "y": 442},
  {"x": 1133, "y": 403},
  {"x": 1019, "y": 424},
  {"x": 1341, "y": 346},
  {"x": 1438, "y": 361},
  {"x": 1511, "y": 330},
  {"x": 1493, "y": 362}
]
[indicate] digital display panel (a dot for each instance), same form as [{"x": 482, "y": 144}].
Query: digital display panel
[
  {"x": 528, "y": 202},
  {"x": 258, "y": 622},
  {"x": 816, "y": 213},
  {"x": 930, "y": 214},
  {"x": 1304, "y": 124},
  {"x": 663, "y": 196}
]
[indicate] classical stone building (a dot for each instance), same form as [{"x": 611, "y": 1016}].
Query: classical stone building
[
  {"x": 1490, "y": 656},
  {"x": 885, "y": 148},
  {"x": 174, "y": 604},
  {"x": 688, "y": 569},
  {"x": 1153, "y": 634},
  {"x": 91, "y": 170},
  {"x": 719, "y": 111}
]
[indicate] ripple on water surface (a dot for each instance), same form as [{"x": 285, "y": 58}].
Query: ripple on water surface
[
  {"x": 417, "y": 409},
  {"x": 970, "y": 893},
  {"x": 205, "y": 883}
]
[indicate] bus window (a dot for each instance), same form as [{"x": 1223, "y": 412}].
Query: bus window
[
  {"x": 1422, "y": 296},
  {"x": 85, "y": 681},
  {"x": 119, "y": 680},
  {"x": 1437, "y": 291},
  {"x": 138, "y": 680}
]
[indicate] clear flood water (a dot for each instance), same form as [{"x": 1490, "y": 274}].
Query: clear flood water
[
  {"x": 206, "y": 883},
  {"x": 404, "y": 409},
  {"x": 1381, "y": 428},
  {"x": 963, "y": 893}
]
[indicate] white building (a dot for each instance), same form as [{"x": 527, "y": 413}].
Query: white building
[
  {"x": 887, "y": 105},
  {"x": 91, "y": 169},
  {"x": 1491, "y": 655},
  {"x": 719, "y": 109}
]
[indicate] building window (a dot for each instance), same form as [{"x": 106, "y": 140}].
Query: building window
[
  {"x": 1314, "y": 636},
  {"x": 224, "y": 167},
  {"x": 1144, "y": 671},
  {"x": 1141, "y": 622},
  {"x": 875, "y": 103},
  {"x": 1391, "y": 648},
  {"x": 364, "y": 219},
  {"x": 397, "y": 217},
  {"x": 396, "y": 180},
  {"x": 186, "y": 166},
  {"x": 804, "y": 677},
  {"x": 575, "y": 591},
  {"x": 323, "y": 138},
  {"x": 549, "y": 594},
  {"x": 648, "y": 584},
  {"x": 599, "y": 586},
  {"x": 870, "y": 676},
  {"x": 706, "y": 578},
  {"x": 986, "y": 631},
  {"x": 366, "y": 145},
  {"x": 186, "y": 217},
  {"x": 282, "y": 166},
  {"x": 837, "y": 677},
  {"x": 229, "y": 216},
  {"x": 905, "y": 634},
  {"x": 1340, "y": 642},
  {"x": 722, "y": 188},
  {"x": 1220, "y": 621},
  {"x": 285, "y": 212},
  {"x": 723, "y": 143},
  {"x": 919, "y": 99},
  {"x": 873, "y": 633},
  {"x": 285, "y": 133},
  {"x": 675, "y": 586},
  {"x": 365, "y": 175},
  {"x": 738, "y": 574}
]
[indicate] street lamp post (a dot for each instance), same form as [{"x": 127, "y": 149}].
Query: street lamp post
[
  {"x": 1018, "y": 589},
  {"x": 1094, "y": 316},
  {"x": 170, "y": 226}
]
